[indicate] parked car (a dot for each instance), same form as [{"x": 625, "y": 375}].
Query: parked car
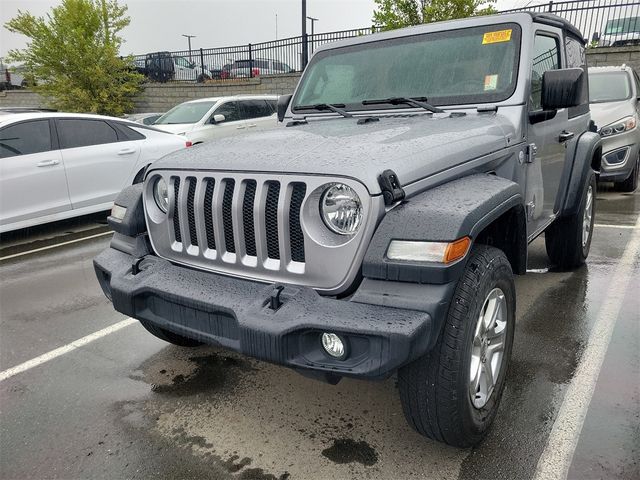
[
  {"x": 258, "y": 67},
  {"x": 614, "y": 98},
  {"x": 144, "y": 118},
  {"x": 377, "y": 232},
  {"x": 208, "y": 118},
  {"x": 11, "y": 77},
  {"x": 219, "y": 70},
  {"x": 163, "y": 67},
  {"x": 620, "y": 32},
  {"x": 60, "y": 165}
]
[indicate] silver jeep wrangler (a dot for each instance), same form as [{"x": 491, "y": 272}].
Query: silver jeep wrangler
[{"x": 378, "y": 228}]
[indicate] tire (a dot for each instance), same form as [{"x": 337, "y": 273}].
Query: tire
[
  {"x": 631, "y": 183},
  {"x": 436, "y": 389},
  {"x": 568, "y": 239},
  {"x": 168, "y": 336}
]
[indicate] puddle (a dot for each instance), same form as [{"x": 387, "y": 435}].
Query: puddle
[{"x": 345, "y": 450}]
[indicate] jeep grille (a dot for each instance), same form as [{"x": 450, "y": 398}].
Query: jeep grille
[{"x": 253, "y": 225}]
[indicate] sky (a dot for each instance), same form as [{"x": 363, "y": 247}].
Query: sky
[{"x": 158, "y": 25}]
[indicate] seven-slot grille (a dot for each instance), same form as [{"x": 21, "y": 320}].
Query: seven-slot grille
[{"x": 230, "y": 219}]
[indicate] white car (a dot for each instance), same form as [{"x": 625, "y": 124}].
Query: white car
[
  {"x": 60, "y": 165},
  {"x": 208, "y": 118}
]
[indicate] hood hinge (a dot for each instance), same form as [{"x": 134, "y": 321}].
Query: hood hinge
[{"x": 391, "y": 189}]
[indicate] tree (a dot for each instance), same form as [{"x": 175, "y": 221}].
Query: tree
[
  {"x": 392, "y": 14},
  {"x": 72, "y": 55}
]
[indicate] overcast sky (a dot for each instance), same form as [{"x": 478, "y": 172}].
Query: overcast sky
[{"x": 158, "y": 24}]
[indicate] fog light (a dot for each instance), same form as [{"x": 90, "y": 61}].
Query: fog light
[{"x": 333, "y": 345}]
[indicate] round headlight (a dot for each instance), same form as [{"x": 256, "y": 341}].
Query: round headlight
[
  {"x": 341, "y": 209},
  {"x": 161, "y": 194}
]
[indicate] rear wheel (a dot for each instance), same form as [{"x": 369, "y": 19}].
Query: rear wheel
[
  {"x": 631, "y": 183},
  {"x": 168, "y": 336},
  {"x": 452, "y": 393},
  {"x": 568, "y": 239}
]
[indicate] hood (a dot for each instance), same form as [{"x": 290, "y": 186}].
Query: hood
[
  {"x": 414, "y": 146},
  {"x": 605, "y": 113},
  {"x": 175, "y": 127}
]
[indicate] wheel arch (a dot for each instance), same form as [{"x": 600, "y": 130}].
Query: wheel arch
[{"x": 487, "y": 208}]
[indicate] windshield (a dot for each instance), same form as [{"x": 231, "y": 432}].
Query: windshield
[
  {"x": 471, "y": 65},
  {"x": 620, "y": 26},
  {"x": 609, "y": 87},
  {"x": 185, "y": 113}
]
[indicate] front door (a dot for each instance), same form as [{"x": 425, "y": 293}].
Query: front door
[
  {"x": 546, "y": 149},
  {"x": 233, "y": 124}
]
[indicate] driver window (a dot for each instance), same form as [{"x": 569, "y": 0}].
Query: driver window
[
  {"x": 229, "y": 110},
  {"x": 545, "y": 57}
]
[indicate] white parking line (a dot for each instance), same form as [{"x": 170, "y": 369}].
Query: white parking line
[
  {"x": 28, "y": 252},
  {"x": 34, "y": 362},
  {"x": 556, "y": 458},
  {"x": 608, "y": 225}
]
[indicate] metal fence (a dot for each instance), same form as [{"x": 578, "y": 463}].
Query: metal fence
[
  {"x": 613, "y": 22},
  {"x": 602, "y": 22},
  {"x": 238, "y": 62}
]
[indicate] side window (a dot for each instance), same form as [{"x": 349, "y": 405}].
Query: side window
[
  {"x": 25, "y": 138},
  {"x": 255, "y": 109},
  {"x": 75, "y": 133},
  {"x": 546, "y": 56},
  {"x": 273, "y": 105},
  {"x": 229, "y": 110}
]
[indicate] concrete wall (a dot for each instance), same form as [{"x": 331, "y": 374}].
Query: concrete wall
[
  {"x": 613, "y": 56},
  {"x": 158, "y": 97},
  {"x": 161, "y": 97}
]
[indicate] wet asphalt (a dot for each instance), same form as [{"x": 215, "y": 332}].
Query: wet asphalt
[{"x": 130, "y": 406}]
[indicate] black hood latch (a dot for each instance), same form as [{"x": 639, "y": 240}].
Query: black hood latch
[{"x": 391, "y": 189}]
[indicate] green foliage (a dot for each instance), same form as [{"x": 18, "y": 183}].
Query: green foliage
[
  {"x": 392, "y": 14},
  {"x": 72, "y": 56}
]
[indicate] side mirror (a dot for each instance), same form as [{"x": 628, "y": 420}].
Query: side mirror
[
  {"x": 563, "y": 88},
  {"x": 283, "y": 104},
  {"x": 218, "y": 118},
  {"x": 595, "y": 37}
]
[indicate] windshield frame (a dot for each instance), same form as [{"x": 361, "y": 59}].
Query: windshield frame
[
  {"x": 615, "y": 72},
  {"x": 473, "y": 99},
  {"x": 212, "y": 105}
]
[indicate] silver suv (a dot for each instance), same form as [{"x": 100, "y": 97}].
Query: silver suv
[
  {"x": 378, "y": 229},
  {"x": 614, "y": 93}
]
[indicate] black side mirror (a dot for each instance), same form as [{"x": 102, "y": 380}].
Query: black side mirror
[
  {"x": 563, "y": 88},
  {"x": 283, "y": 104},
  {"x": 595, "y": 37}
]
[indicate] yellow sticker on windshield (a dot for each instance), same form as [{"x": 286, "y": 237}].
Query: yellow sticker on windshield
[{"x": 496, "y": 37}]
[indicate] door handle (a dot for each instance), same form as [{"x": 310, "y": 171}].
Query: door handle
[
  {"x": 127, "y": 151},
  {"x": 565, "y": 136},
  {"x": 241, "y": 127},
  {"x": 252, "y": 125},
  {"x": 48, "y": 163}
]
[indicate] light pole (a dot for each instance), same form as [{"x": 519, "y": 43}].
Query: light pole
[
  {"x": 313, "y": 22},
  {"x": 189, "y": 37},
  {"x": 305, "y": 49}
]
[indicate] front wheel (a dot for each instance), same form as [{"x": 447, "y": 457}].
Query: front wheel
[
  {"x": 631, "y": 183},
  {"x": 452, "y": 393},
  {"x": 568, "y": 239}
]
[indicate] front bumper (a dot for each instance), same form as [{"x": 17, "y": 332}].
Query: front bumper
[
  {"x": 236, "y": 314},
  {"x": 612, "y": 169}
]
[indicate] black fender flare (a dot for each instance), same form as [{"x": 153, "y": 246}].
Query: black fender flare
[
  {"x": 582, "y": 157},
  {"x": 463, "y": 207}
]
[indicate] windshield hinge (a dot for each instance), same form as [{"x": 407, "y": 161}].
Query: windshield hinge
[
  {"x": 391, "y": 189},
  {"x": 532, "y": 150}
]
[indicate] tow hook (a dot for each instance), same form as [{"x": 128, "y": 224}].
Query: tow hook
[
  {"x": 275, "y": 302},
  {"x": 135, "y": 265}
]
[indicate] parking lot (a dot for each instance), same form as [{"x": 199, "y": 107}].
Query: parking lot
[{"x": 122, "y": 404}]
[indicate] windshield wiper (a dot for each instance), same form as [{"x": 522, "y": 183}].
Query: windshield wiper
[
  {"x": 337, "y": 108},
  {"x": 414, "y": 102}
]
